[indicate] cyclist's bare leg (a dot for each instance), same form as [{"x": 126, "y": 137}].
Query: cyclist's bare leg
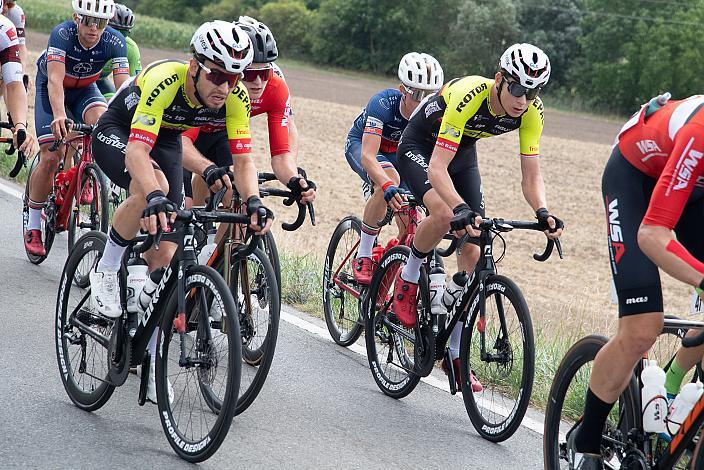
[
  {"x": 42, "y": 177},
  {"x": 436, "y": 225},
  {"x": 200, "y": 190},
  {"x": 614, "y": 364}
]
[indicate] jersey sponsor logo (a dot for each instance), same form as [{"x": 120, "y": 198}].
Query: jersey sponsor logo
[
  {"x": 501, "y": 128},
  {"x": 433, "y": 107},
  {"x": 131, "y": 100},
  {"x": 54, "y": 53},
  {"x": 384, "y": 103},
  {"x": 64, "y": 34},
  {"x": 160, "y": 87},
  {"x": 615, "y": 233},
  {"x": 446, "y": 144},
  {"x": 649, "y": 148},
  {"x": 146, "y": 137},
  {"x": 145, "y": 119},
  {"x": 451, "y": 131},
  {"x": 113, "y": 141},
  {"x": 374, "y": 122},
  {"x": 417, "y": 159},
  {"x": 636, "y": 300},
  {"x": 686, "y": 167},
  {"x": 11, "y": 34},
  {"x": 82, "y": 67},
  {"x": 470, "y": 95}
]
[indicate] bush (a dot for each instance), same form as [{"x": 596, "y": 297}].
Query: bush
[
  {"x": 291, "y": 23},
  {"x": 227, "y": 10},
  {"x": 44, "y": 15}
]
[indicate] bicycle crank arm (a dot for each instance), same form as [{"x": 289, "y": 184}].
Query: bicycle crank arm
[{"x": 87, "y": 330}]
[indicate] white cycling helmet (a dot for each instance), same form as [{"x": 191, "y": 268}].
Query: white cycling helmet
[
  {"x": 527, "y": 64},
  {"x": 224, "y": 43},
  {"x": 420, "y": 71},
  {"x": 104, "y": 9}
]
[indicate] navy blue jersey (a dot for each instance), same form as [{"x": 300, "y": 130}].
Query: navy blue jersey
[
  {"x": 381, "y": 117},
  {"x": 83, "y": 65}
]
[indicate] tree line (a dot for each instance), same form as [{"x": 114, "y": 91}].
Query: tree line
[{"x": 607, "y": 56}]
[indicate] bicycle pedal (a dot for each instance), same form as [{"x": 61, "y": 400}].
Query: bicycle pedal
[{"x": 143, "y": 380}]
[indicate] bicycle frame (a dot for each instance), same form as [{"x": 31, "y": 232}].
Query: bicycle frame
[{"x": 86, "y": 158}]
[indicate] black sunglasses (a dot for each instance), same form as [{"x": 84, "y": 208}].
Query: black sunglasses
[{"x": 518, "y": 90}]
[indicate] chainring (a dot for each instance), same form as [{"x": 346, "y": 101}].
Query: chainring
[
  {"x": 119, "y": 348},
  {"x": 424, "y": 351},
  {"x": 634, "y": 460}
]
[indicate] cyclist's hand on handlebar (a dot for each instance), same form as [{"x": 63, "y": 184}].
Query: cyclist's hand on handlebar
[
  {"x": 160, "y": 211},
  {"x": 216, "y": 177},
  {"x": 23, "y": 140},
  {"x": 59, "y": 127},
  {"x": 261, "y": 217},
  {"x": 302, "y": 188},
  {"x": 392, "y": 196},
  {"x": 465, "y": 221},
  {"x": 552, "y": 224}
]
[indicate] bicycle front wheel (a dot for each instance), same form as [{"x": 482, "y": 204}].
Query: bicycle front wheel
[
  {"x": 341, "y": 306},
  {"x": 205, "y": 354},
  {"x": 500, "y": 350}
]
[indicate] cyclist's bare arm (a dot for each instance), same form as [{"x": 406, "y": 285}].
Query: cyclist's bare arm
[
  {"x": 246, "y": 179},
  {"x": 439, "y": 176},
  {"x": 370, "y": 149},
  {"x": 293, "y": 138},
  {"x": 193, "y": 160},
  {"x": 654, "y": 241},
  {"x": 119, "y": 79},
  {"x": 284, "y": 167},
  {"x": 23, "y": 57},
  {"x": 56, "y": 72},
  {"x": 532, "y": 182}
]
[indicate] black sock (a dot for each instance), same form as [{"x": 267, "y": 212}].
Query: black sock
[{"x": 588, "y": 439}]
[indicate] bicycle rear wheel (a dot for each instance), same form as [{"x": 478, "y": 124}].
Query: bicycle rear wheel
[
  {"x": 390, "y": 346},
  {"x": 566, "y": 406},
  {"x": 507, "y": 367},
  {"x": 83, "y": 360},
  {"x": 342, "y": 309},
  {"x": 199, "y": 357},
  {"x": 91, "y": 205}
]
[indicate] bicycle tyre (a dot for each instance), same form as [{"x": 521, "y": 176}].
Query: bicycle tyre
[
  {"x": 99, "y": 206},
  {"x": 378, "y": 310},
  {"x": 581, "y": 353},
  {"x": 47, "y": 223},
  {"x": 499, "y": 431},
  {"x": 197, "y": 450},
  {"x": 344, "y": 330},
  {"x": 99, "y": 392},
  {"x": 272, "y": 252}
]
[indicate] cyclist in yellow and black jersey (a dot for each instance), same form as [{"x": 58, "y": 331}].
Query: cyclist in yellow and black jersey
[{"x": 437, "y": 159}]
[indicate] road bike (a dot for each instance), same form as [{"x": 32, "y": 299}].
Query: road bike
[{"x": 497, "y": 341}]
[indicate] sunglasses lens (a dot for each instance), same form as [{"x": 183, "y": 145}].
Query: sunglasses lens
[
  {"x": 217, "y": 77},
  {"x": 532, "y": 93},
  {"x": 518, "y": 90},
  {"x": 252, "y": 74},
  {"x": 90, "y": 21}
]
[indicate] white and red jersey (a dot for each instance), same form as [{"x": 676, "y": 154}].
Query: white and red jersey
[
  {"x": 9, "y": 52},
  {"x": 276, "y": 103},
  {"x": 668, "y": 146},
  {"x": 16, "y": 14}
]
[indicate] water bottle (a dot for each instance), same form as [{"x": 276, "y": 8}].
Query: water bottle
[
  {"x": 437, "y": 289},
  {"x": 137, "y": 274},
  {"x": 682, "y": 405},
  {"x": 207, "y": 251},
  {"x": 653, "y": 398},
  {"x": 454, "y": 289},
  {"x": 145, "y": 296}
]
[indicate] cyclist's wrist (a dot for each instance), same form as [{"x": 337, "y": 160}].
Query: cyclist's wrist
[
  {"x": 387, "y": 185},
  {"x": 541, "y": 213},
  {"x": 460, "y": 208},
  {"x": 155, "y": 193}
]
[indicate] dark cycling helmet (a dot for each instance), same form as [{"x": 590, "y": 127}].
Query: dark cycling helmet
[
  {"x": 265, "y": 49},
  {"x": 123, "y": 19}
]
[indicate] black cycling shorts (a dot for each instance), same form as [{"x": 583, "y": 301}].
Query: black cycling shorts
[
  {"x": 109, "y": 143},
  {"x": 413, "y": 159},
  {"x": 215, "y": 147},
  {"x": 626, "y": 193}
]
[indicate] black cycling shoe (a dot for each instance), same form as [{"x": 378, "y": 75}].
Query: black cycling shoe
[{"x": 580, "y": 461}]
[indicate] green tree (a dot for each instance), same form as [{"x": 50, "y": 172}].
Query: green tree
[
  {"x": 290, "y": 22},
  {"x": 227, "y": 10}
]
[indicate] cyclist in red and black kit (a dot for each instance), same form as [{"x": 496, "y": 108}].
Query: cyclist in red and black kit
[
  {"x": 206, "y": 148},
  {"x": 654, "y": 198}
]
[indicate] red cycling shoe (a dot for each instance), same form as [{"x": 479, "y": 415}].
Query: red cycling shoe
[
  {"x": 405, "y": 301},
  {"x": 476, "y": 384},
  {"x": 33, "y": 243},
  {"x": 363, "y": 268}
]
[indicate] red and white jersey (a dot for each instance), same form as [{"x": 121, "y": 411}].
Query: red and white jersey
[
  {"x": 276, "y": 103},
  {"x": 16, "y": 15},
  {"x": 667, "y": 146},
  {"x": 9, "y": 52}
]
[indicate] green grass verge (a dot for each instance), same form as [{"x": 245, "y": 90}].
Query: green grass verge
[
  {"x": 7, "y": 163},
  {"x": 44, "y": 15}
]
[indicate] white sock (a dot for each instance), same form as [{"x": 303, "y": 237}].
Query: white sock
[
  {"x": 455, "y": 338},
  {"x": 35, "y": 219},
  {"x": 411, "y": 271},
  {"x": 365, "y": 245},
  {"x": 112, "y": 256}
]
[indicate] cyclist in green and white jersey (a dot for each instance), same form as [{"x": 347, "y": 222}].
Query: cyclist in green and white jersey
[{"x": 123, "y": 22}]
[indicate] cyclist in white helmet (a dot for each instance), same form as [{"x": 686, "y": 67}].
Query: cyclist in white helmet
[
  {"x": 371, "y": 145},
  {"x": 437, "y": 159}
]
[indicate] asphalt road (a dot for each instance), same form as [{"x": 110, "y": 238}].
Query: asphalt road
[{"x": 319, "y": 408}]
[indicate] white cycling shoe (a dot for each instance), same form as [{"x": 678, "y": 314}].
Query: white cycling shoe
[{"x": 105, "y": 292}]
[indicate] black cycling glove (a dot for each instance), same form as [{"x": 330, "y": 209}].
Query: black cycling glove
[
  {"x": 157, "y": 203},
  {"x": 214, "y": 173},
  {"x": 294, "y": 186},
  {"x": 463, "y": 216},
  {"x": 255, "y": 206},
  {"x": 542, "y": 215}
]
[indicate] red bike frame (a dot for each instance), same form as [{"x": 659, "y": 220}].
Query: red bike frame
[{"x": 86, "y": 158}]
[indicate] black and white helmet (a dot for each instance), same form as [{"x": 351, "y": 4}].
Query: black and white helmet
[
  {"x": 420, "y": 71},
  {"x": 123, "y": 19},
  {"x": 224, "y": 43},
  {"x": 265, "y": 49},
  {"x": 104, "y": 9},
  {"x": 527, "y": 64}
]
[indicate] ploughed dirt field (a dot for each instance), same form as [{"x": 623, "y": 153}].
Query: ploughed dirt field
[{"x": 567, "y": 298}]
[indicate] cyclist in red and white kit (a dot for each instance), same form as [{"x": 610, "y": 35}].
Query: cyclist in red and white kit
[
  {"x": 653, "y": 188},
  {"x": 12, "y": 73},
  {"x": 15, "y": 13},
  {"x": 206, "y": 148}
]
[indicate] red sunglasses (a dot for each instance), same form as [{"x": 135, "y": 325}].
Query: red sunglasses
[
  {"x": 216, "y": 77},
  {"x": 251, "y": 75}
]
